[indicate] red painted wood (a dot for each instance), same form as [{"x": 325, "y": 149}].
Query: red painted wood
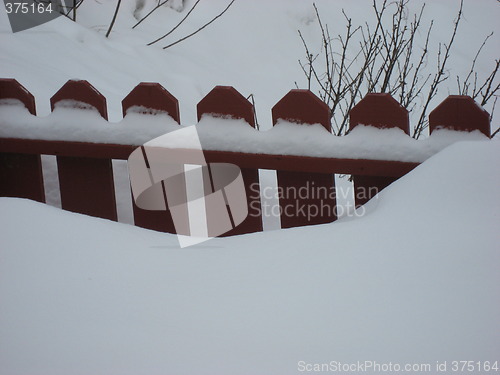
[
  {"x": 86, "y": 184},
  {"x": 227, "y": 101},
  {"x": 152, "y": 96},
  {"x": 11, "y": 89},
  {"x": 303, "y": 107},
  {"x": 380, "y": 111},
  {"x": 262, "y": 161},
  {"x": 20, "y": 174},
  {"x": 66, "y": 148},
  {"x": 460, "y": 112},
  {"x": 81, "y": 91},
  {"x": 310, "y": 197}
]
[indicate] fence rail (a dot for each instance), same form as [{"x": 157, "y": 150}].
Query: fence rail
[{"x": 86, "y": 175}]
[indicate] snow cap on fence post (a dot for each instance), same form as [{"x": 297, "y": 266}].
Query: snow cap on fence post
[
  {"x": 381, "y": 111},
  {"x": 11, "y": 89},
  {"x": 226, "y": 101},
  {"x": 152, "y": 95},
  {"x": 460, "y": 112},
  {"x": 310, "y": 197},
  {"x": 81, "y": 91},
  {"x": 302, "y": 106}
]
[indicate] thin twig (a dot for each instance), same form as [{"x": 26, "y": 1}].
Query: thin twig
[
  {"x": 114, "y": 18},
  {"x": 439, "y": 77},
  {"x": 251, "y": 97},
  {"x": 201, "y": 28},
  {"x": 150, "y": 13},
  {"x": 176, "y": 26}
]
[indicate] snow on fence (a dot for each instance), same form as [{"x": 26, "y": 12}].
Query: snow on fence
[{"x": 86, "y": 174}]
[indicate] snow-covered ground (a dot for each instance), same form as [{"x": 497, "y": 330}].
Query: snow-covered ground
[{"x": 413, "y": 278}]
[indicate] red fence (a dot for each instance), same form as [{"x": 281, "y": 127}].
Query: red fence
[{"x": 86, "y": 175}]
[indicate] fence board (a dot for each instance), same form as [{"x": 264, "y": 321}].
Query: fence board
[
  {"x": 381, "y": 111},
  {"x": 309, "y": 198},
  {"x": 152, "y": 96},
  {"x": 20, "y": 174},
  {"x": 460, "y": 112},
  {"x": 86, "y": 184},
  {"x": 226, "y": 101}
]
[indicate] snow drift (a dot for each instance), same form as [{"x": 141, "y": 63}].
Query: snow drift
[{"x": 415, "y": 280}]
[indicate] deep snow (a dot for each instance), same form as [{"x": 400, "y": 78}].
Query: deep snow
[{"x": 414, "y": 280}]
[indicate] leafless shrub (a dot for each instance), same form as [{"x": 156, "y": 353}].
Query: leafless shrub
[{"x": 386, "y": 58}]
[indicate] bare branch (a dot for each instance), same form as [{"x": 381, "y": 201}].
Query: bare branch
[
  {"x": 465, "y": 85},
  {"x": 160, "y": 4},
  {"x": 176, "y": 26},
  {"x": 114, "y": 18},
  {"x": 386, "y": 57},
  {"x": 202, "y": 27},
  {"x": 440, "y": 75}
]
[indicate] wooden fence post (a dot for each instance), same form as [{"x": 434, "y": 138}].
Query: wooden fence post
[
  {"x": 380, "y": 111},
  {"x": 86, "y": 184},
  {"x": 227, "y": 101},
  {"x": 308, "y": 198},
  {"x": 20, "y": 174},
  {"x": 152, "y": 96},
  {"x": 460, "y": 112}
]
